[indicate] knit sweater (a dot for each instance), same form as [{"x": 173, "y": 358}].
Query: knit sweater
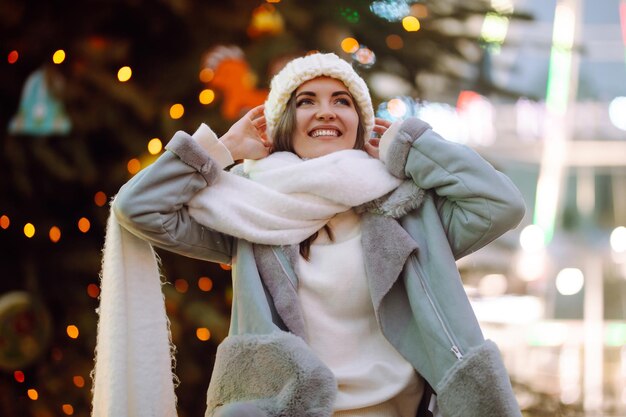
[{"x": 341, "y": 328}]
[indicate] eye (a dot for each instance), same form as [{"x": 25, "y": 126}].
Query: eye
[
  {"x": 303, "y": 101},
  {"x": 344, "y": 101}
]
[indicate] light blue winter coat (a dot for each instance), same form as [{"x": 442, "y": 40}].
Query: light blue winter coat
[{"x": 456, "y": 204}]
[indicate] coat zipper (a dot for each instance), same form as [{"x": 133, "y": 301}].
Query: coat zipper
[
  {"x": 454, "y": 348},
  {"x": 282, "y": 266}
]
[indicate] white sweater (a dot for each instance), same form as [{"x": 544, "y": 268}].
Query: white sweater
[{"x": 374, "y": 380}]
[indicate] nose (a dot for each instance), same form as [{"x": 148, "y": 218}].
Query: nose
[{"x": 325, "y": 112}]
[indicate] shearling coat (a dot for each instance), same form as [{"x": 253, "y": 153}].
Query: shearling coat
[{"x": 453, "y": 204}]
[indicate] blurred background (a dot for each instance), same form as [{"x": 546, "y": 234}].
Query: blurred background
[{"x": 91, "y": 91}]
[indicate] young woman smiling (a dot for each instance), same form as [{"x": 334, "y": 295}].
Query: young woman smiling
[{"x": 346, "y": 296}]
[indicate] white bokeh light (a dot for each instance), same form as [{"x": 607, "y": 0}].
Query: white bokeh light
[
  {"x": 532, "y": 238},
  {"x": 570, "y": 281},
  {"x": 618, "y": 239},
  {"x": 617, "y": 112}
]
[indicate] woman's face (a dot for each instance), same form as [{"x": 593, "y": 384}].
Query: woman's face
[{"x": 326, "y": 118}]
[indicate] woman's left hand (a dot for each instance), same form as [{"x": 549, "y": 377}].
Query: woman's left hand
[{"x": 380, "y": 127}]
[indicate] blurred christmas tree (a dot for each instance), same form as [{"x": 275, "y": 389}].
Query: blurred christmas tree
[{"x": 90, "y": 92}]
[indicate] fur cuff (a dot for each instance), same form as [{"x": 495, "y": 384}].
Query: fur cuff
[
  {"x": 478, "y": 386},
  {"x": 398, "y": 152},
  {"x": 191, "y": 153},
  {"x": 276, "y": 373}
]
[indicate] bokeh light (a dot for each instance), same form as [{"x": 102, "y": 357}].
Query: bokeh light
[
  {"x": 351, "y": 15},
  {"x": 176, "y": 111},
  {"x": 394, "y": 42},
  {"x": 365, "y": 56},
  {"x": 133, "y": 166},
  {"x": 78, "y": 381},
  {"x": 203, "y": 334},
  {"x": 390, "y": 10},
  {"x": 59, "y": 56},
  {"x": 72, "y": 331},
  {"x": 13, "y": 57},
  {"x": 206, "y": 96},
  {"x": 350, "y": 45},
  {"x": 617, "y": 112},
  {"x": 205, "y": 283},
  {"x": 155, "y": 146},
  {"x": 19, "y": 376},
  {"x": 419, "y": 10},
  {"x": 5, "y": 222},
  {"x": 29, "y": 230},
  {"x": 396, "y": 108},
  {"x": 206, "y": 75},
  {"x": 54, "y": 234},
  {"x": 181, "y": 285},
  {"x": 124, "y": 74},
  {"x": 569, "y": 281},
  {"x": 225, "y": 267},
  {"x": 84, "y": 224},
  {"x": 100, "y": 198},
  {"x": 93, "y": 290},
  {"x": 32, "y": 394},
  {"x": 532, "y": 238},
  {"x": 67, "y": 409},
  {"x": 411, "y": 24},
  {"x": 618, "y": 239}
]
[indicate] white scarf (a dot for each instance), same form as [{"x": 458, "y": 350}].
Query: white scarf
[{"x": 287, "y": 200}]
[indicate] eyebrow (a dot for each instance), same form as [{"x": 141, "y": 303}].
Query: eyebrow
[{"x": 334, "y": 94}]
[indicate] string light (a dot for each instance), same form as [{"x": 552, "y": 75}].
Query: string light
[
  {"x": 67, "y": 409},
  {"x": 19, "y": 376},
  {"x": 93, "y": 290},
  {"x": 84, "y": 224},
  {"x": 5, "y": 222},
  {"x": 181, "y": 285},
  {"x": 59, "y": 56},
  {"x": 32, "y": 394},
  {"x": 124, "y": 74},
  {"x": 54, "y": 234},
  {"x": 133, "y": 166},
  {"x": 411, "y": 24},
  {"x": 176, "y": 111},
  {"x": 72, "y": 331},
  {"x": 13, "y": 56},
  {"x": 350, "y": 45},
  {"x": 203, "y": 334},
  {"x": 155, "y": 146},
  {"x": 206, "y": 96},
  {"x": 29, "y": 230},
  {"x": 78, "y": 381},
  {"x": 205, "y": 284},
  {"x": 100, "y": 198}
]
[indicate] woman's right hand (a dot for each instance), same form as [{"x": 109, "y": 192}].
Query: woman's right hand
[{"x": 246, "y": 139}]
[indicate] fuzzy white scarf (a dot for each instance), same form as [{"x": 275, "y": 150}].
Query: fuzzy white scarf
[{"x": 287, "y": 200}]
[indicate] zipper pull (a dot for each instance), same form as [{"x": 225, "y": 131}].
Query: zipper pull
[{"x": 457, "y": 352}]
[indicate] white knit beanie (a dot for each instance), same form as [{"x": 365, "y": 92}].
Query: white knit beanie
[{"x": 312, "y": 66}]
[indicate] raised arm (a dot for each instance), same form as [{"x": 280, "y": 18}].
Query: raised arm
[
  {"x": 476, "y": 203},
  {"x": 152, "y": 205}
]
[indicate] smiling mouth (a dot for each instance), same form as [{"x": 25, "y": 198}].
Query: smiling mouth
[{"x": 325, "y": 132}]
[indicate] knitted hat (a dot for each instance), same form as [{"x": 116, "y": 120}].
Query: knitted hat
[{"x": 312, "y": 66}]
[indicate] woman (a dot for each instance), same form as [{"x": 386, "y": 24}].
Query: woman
[{"x": 347, "y": 300}]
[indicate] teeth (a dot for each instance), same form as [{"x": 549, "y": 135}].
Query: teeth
[{"x": 324, "y": 132}]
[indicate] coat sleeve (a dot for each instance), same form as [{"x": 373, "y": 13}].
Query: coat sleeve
[
  {"x": 152, "y": 205},
  {"x": 476, "y": 203}
]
